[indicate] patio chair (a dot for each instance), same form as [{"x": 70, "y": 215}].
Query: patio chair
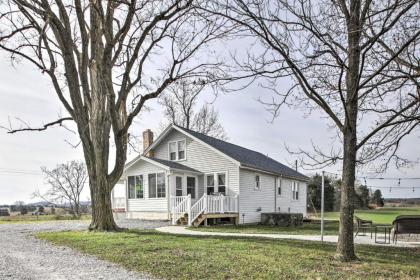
[
  {"x": 406, "y": 224},
  {"x": 362, "y": 225}
]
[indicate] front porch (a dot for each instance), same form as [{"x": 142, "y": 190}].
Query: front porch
[{"x": 207, "y": 207}]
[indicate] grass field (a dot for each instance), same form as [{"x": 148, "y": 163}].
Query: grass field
[
  {"x": 331, "y": 228},
  {"x": 378, "y": 216},
  {"x": 183, "y": 257},
  {"x": 383, "y": 215},
  {"x": 30, "y": 218}
]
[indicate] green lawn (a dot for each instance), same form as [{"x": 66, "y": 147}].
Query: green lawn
[
  {"x": 186, "y": 257},
  {"x": 331, "y": 228},
  {"x": 379, "y": 216},
  {"x": 383, "y": 215},
  {"x": 30, "y": 218}
]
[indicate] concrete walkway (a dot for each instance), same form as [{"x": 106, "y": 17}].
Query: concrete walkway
[{"x": 327, "y": 238}]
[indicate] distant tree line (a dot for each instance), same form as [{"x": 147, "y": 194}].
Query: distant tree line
[{"x": 362, "y": 198}]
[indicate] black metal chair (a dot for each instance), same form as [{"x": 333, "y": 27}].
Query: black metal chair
[
  {"x": 363, "y": 225},
  {"x": 406, "y": 224}
]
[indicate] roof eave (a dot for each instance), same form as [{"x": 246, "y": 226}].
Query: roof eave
[{"x": 303, "y": 178}]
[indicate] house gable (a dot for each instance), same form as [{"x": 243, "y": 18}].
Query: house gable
[{"x": 201, "y": 157}]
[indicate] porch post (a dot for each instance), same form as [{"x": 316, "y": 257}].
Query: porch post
[
  {"x": 206, "y": 204},
  {"x": 189, "y": 209}
]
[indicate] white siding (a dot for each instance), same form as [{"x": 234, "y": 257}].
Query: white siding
[
  {"x": 203, "y": 159},
  {"x": 285, "y": 202},
  {"x": 250, "y": 199},
  {"x": 147, "y": 204}
]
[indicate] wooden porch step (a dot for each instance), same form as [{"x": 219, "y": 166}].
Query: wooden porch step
[{"x": 202, "y": 217}]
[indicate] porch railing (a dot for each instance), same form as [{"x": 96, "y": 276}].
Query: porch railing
[
  {"x": 197, "y": 209},
  {"x": 222, "y": 204},
  {"x": 207, "y": 204},
  {"x": 180, "y": 206}
]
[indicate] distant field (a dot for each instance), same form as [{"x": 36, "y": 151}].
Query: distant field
[
  {"x": 385, "y": 215},
  {"x": 30, "y": 218}
]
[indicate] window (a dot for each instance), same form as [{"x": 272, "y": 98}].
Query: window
[
  {"x": 172, "y": 151},
  {"x": 210, "y": 184},
  {"x": 191, "y": 186},
  {"x": 177, "y": 150},
  {"x": 295, "y": 191},
  {"x": 181, "y": 150},
  {"x": 178, "y": 186},
  {"x": 157, "y": 186},
  {"x": 257, "y": 182},
  {"x": 131, "y": 187},
  {"x": 278, "y": 186},
  {"x": 161, "y": 190},
  {"x": 135, "y": 187},
  {"x": 221, "y": 183}
]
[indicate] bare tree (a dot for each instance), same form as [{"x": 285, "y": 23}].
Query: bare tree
[
  {"x": 105, "y": 60},
  {"x": 180, "y": 108},
  {"x": 67, "y": 182},
  {"x": 355, "y": 61}
]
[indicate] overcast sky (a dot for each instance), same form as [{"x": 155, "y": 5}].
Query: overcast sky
[{"x": 27, "y": 94}]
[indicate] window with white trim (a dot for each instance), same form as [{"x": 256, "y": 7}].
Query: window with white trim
[
  {"x": 157, "y": 188},
  {"x": 135, "y": 187},
  {"x": 191, "y": 186},
  {"x": 210, "y": 184},
  {"x": 178, "y": 184},
  {"x": 295, "y": 191},
  {"x": 177, "y": 150},
  {"x": 257, "y": 182},
  {"x": 221, "y": 183},
  {"x": 172, "y": 150},
  {"x": 279, "y": 186}
]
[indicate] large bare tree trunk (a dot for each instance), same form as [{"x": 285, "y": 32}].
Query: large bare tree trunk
[
  {"x": 102, "y": 217},
  {"x": 345, "y": 247}
]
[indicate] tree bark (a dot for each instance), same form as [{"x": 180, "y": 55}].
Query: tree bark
[
  {"x": 345, "y": 246},
  {"x": 102, "y": 216}
]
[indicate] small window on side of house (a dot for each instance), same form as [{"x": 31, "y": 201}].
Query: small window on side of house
[
  {"x": 295, "y": 191},
  {"x": 279, "y": 187},
  {"x": 257, "y": 182}
]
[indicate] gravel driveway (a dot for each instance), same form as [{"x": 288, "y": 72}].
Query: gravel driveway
[{"x": 22, "y": 256}]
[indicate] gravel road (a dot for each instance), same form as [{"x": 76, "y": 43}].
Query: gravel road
[{"x": 22, "y": 256}]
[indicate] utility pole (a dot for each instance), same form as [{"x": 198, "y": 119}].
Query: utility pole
[{"x": 322, "y": 206}]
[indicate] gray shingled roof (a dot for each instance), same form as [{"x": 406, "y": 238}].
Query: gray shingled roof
[
  {"x": 173, "y": 164},
  {"x": 246, "y": 157}
]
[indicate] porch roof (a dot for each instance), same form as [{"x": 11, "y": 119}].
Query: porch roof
[{"x": 173, "y": 165}]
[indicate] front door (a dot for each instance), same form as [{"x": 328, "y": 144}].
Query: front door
[{"x": 191, "y": 186}]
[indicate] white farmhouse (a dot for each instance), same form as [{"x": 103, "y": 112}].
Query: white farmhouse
[{"x": 186, "y": 175}]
